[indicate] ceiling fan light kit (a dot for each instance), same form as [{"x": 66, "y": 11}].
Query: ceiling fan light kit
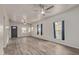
[{"x": 43, "y": 9}]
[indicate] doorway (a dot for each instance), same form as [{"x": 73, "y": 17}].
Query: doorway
[{"x": 13, "y": 31}]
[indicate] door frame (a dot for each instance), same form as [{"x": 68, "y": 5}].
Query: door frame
[{"x": 12, "y": 31}]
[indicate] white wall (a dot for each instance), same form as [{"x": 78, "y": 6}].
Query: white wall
[
  {"x": 71, "y": 18},
  {"x": 4, "y": 37},
  {"x": 1, "y": 34},
  {"x": 6, "y": 29},
  {"x": 19, "y": 29}
]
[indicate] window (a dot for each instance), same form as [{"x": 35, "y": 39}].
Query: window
[
  {"x": 59, "y": 30},
  {"x": 63, "y": 33},
  {"x": 41, "y": 29},
  {"x": 23, "y": 30},
  {"x": 37, "y": 29},
  {"x": 54, "y": 30}
]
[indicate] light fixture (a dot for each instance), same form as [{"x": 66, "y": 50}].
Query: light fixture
[
  {"x": 24, "y": 17},
  {"x": 42, "y": 11},
  {"x": 24, "y": 20}
]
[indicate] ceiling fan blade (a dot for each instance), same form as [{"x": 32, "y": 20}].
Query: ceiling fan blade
[{"x": 49, "y": 7}]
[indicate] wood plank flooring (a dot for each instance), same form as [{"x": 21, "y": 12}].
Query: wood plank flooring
[{"x": 33, "y": 46}]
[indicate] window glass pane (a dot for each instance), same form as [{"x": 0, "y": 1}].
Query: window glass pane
[
  {"x": 58, "y": 29},
  {"x": 23, "y": 30}
]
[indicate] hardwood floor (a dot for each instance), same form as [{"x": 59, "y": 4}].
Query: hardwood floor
[{"x": 33, "y": 46}]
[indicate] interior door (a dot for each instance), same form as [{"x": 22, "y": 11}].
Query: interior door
[{"x": 14, "y": 31}]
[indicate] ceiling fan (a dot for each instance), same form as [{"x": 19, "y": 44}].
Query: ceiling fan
[{"x": 44, "y": 10}]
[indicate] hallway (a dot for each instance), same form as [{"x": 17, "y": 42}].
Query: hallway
[
  {"x": 22, "y": 24},
  {"x": 34, "y": 46}
]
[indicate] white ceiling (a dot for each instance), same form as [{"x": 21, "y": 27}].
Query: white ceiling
[{"x": 32, "y": 11}]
